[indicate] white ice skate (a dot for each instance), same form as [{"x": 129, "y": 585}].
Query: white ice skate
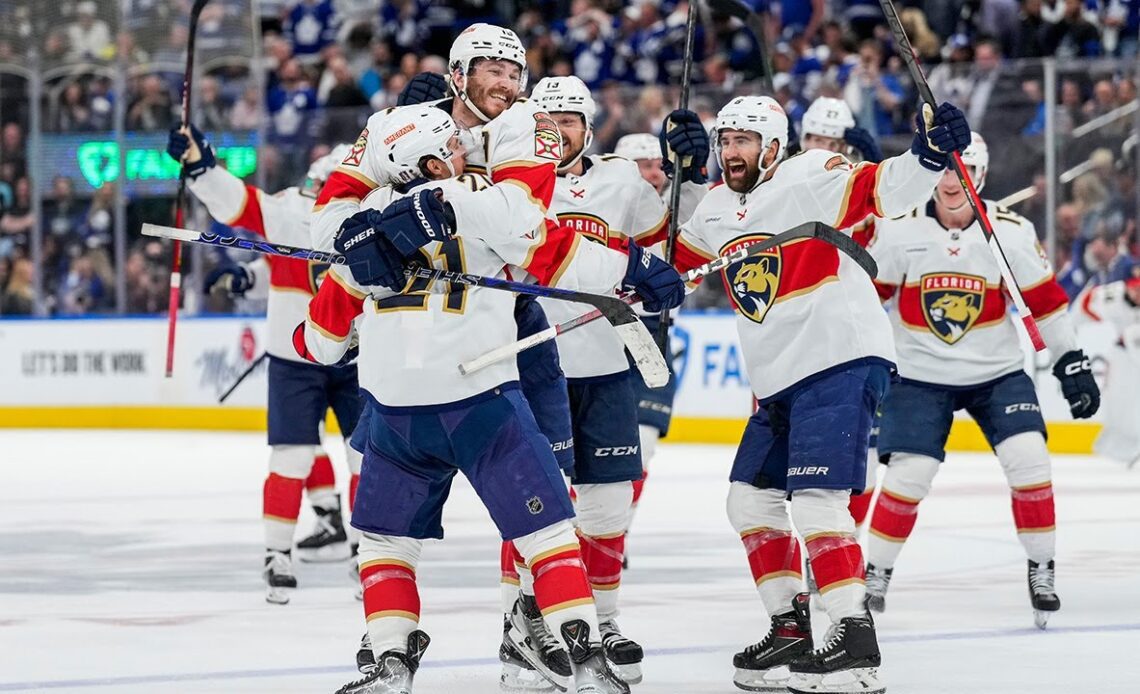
[{"x": 279, "y": 578}]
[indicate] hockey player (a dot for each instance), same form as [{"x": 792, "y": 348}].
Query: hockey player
[
  {"x": 818, "y": 352},
  {"x": 299, "y": 393},
  {"x": 1118, "y": 305},
  {"x": 958, "y": 349},
  {"x": 428, "y": 422}
]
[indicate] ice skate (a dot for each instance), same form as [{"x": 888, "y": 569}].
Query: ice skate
[
  {"x": 847, "y": 662},
  {"x": 534, "y": 643},
  {"x": 328, "y": 542},
  {"x": 279, "y": 578},
  {"x": 877, "y": 581},
  {"x": 763, "y": 666},
  {"x": 518, "y": 675},
  {"x": 1042, "y": 593},
  {"x": 365, "y": 662},
  {"x": 393, "y": 671},
  {"x": 623, "y": 654},
  {"x": 592, "y": 673}
]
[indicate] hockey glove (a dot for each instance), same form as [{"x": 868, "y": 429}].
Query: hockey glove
[
  {"x": 234, "y": 279},
  {"x": 416, "y": 220},
  {"x": 654, "y": 280},
  {"x": 198, "y": 153},
  {"x": 862, "y": 140},
  {"x": 939, "y": 133},
  {"x": 372, "y": 259},
  {"x": 682, "y": 133},
  {"x": 424, "y": 87},
  {"x": 1078, "y": 386}
]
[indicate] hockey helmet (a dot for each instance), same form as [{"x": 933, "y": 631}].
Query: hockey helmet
[
  {"x": 410, "y": 133},
  {"x": 827, "y": 117},
  {"x": 567, "y": 95},
  {"x": 638, "y": 146},
  {"x": 977, "y": 155},
  {"x": 758, "y": 114},
  {"x": 484, "y": 41}
]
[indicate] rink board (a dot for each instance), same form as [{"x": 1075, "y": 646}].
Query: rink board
[{"x": 108, "y": 373}]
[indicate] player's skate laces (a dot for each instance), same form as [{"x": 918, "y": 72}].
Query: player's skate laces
[
  {"x": 592, "y": 673},
  {"x": 847, "y": 662},
  {"x": 1042, "y": 593},
  {"x": 624, "y": 654},
  {"x": 763, "y": 666},
  {"x": 877, "y": 581},
  {"x": 328, "y": 541},
  {"x": 394, "y": 670},
  {"x": 533, "y": 641},
  {"x": 517, "y": 673},
  {"x": 279, "y": 578}
]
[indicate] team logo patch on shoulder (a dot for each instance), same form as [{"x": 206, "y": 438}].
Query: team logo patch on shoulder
[
  {"x": 356, "y": 154},
  {"x": 836, "y": 162},
  {"x": 951, "y": 303},
  {"x": 753, "y": 283},
  {"x": 547, "y": 138},
  {"x": 590, "y": 226}
]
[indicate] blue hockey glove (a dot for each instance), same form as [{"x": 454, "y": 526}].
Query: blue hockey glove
[
  {"x": 424, "y": 87},
  {"x": 938, "y": 134},
  {"x": 862, "y": 140},
  {"x": 234, "y": 279},
  {"x": 372, "y": 259},
  {"x": 654, "y": 280},
  {"x": 1078, "y": 386},
  {"x": 198, "y": 152},
  {"x": 682, "y": 133},
  {"x": 416, "y": 220}
]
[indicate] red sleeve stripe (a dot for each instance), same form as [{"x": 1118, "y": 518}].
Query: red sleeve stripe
[
  {"x": 549, "y": 258},
  {"x": 333, "y": 309},
  {"x": 250, "y": 215},
  {"x": 344, "y": 185},
  {"x": 536, "y": 180},
  {"x": 863, "y": 233},
  {"x": 656, "y": 233},
  {"x": 1086, "y": 305},
  {"x": 687, "y": 256},
  {"x": 861, "y": 197},
  {"x": 1045, "y": 297},
  {"x": 886, "y": 291}
]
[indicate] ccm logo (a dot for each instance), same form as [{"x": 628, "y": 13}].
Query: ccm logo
[
  {"x": 1022, "y": 407},
  {"x": 562, "y": 445},
  {"x": 1077, "y": 367},
  {"x": 610, "y": 451},
  {"x": 809, "y": 470}
]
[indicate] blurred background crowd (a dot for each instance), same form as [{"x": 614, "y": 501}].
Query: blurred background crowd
[{"x": 88, "y": 89}]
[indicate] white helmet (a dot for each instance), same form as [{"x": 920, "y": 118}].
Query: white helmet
[
  {"x": 484, "y": 41},
  {"x": 322, "y": 168},
  {"x": 638, "y": 146},
  {"x": 977, "y": 155},
  {"x": 410, "y": 133},
  {"x": 827, "y": 117},
  {"x": 567, "y": 95},
  {"x": 758, "y": 114}
]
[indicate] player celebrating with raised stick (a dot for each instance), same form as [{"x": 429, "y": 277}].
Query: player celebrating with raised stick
[
  {"x": 818, "y": 351},
  {"x": 958, "y": 349}
]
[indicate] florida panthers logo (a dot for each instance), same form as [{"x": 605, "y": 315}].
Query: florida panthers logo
[
  {"x": 753, "y": 283},
  {"x": 317, "y": 272},
  {"x": 952, "y": 303},
  {"x": 591, "y": 226}
]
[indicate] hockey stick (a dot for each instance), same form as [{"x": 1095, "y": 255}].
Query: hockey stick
[
  {"x": 1012, "y": 287},
  {"x": 810, "y": 230},
  {"x": 630, "y": 329},
  {"x": 244, "y": 374},
  {"x": 665, "y": 318},
  {"x": 180, "y": 203}
]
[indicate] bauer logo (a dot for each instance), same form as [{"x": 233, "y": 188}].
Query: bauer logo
[
  {"x": 593, "y": 228},
  {"x": 807, "y": 470},
  {"x": 534, "y": 505},
  {"x": 951, "y": 303},
  {"x": 754, "y": 282}
]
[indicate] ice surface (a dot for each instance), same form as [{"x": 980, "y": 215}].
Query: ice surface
[{"x": 129, "y": 562}]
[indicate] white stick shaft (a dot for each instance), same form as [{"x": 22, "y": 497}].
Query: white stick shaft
[{"x": 506, "y": 351}]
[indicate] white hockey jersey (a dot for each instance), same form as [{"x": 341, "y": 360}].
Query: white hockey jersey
[
  {"x": 282, "y": 218},
  {"x": 803, "y": 308},
  {"x": 609, "y": 204},
  {"x": 951, "y": 320}
]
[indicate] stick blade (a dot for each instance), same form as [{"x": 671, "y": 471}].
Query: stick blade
[
  {"x": 647, "y": 357},
  {"x": 164, "y": 232}
]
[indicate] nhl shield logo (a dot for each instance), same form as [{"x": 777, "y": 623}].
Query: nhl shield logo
[
  {"x": 534, "y": 505},
  {"x": 753, "y": 283},
  {"x": 951, "y": 303}
]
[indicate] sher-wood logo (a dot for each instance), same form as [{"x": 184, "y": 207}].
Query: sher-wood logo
[{"x": 219, "y": 367}]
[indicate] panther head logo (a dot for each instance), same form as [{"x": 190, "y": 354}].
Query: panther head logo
[
  {"x": 754, "y": 283},
  {"x": 952, "y": 303}
]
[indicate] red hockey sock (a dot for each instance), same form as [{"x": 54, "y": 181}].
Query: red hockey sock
[
  {"x": 281, "y": 498},
  {"x": 602, "y": 557},
  {"x": 1033, "y": 508},
  {"x": 894, "y": 517},
  {"x": 507, "y": 557},
  {"x": 560, "y": 580},
  {"x": 353, "y": 483},
  {"x": 772, "y": 554},
  {"x": 836, "y": 560},
  {"x": 859, "y": 505},
  {"x": 321, "y": 475},
  {"x": 639, "y": 486},
  {"x": 389, "y": 590}
]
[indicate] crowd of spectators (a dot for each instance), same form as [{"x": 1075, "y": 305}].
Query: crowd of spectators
[{"x": 325, "y": 65}]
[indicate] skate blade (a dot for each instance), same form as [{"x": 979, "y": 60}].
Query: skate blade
[
  {"x": 774, "y": 680},
  {"x": 630, "y": 674},
  {"x": 1041, "y": 618},
  {"x": 516, "y": 679},
  {"x": 864, "y": 680},
  {"x": 328, "y": 554},
  {"x": 518, "y": 640},
  {"x": 277, "y": 596}
]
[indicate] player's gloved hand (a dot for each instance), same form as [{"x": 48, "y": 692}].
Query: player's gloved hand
[
  {"x": 654, "y": 280},
  {"x": 938, "y": 134},
  {"x": 371, "y": 257},
  {"x": 234, "y": 279},
  {"x": 424, "y": 87},
  {"x": 193, "y": 150},
  {"x": 862, "y": 140},
  {"x": 1078, "y": 386},
  {"x": 682, "y": 133},
  {"x": 416, "y": 220}
]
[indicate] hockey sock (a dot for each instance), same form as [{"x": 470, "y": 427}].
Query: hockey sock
[
  {"x": 760, "y": 517},
  {"x": 391, "y": 598},
  {"x": 602, "y": 556},
  {"x": 509, "y": 583},
  {"x": 859, "y": 505},
  {"x": 281, "y": 494},
  {"x": 638, "y": 487},
  {"x": 1025, "y": 461},
  {"x": 822, "y": 517},
  {"x": 560, "y": 586},
  {"x": 603, "y": 514},
  {"x": 321, "y": 483},
  {"x": 907, "y": 482}
]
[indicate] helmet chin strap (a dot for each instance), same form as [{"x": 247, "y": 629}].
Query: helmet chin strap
[
  {"x": 563, "y": 168},
  {"x": 461, "y": 94}
]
